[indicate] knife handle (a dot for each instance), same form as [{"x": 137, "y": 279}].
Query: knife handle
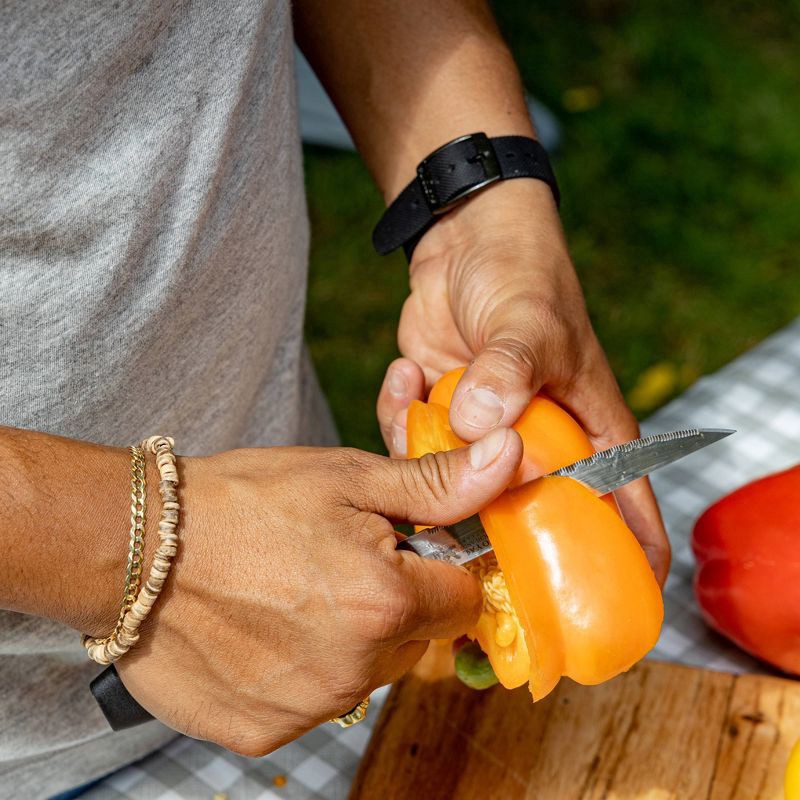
[{"x": 117, "y": 704}]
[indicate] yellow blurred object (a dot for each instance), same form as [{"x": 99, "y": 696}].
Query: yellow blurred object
[
  {"x": 791, "y": 783},
  {"x": 654, "y": 386},
  {"x": 581, "y": 98}
]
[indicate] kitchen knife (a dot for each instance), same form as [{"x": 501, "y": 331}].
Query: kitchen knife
[{"x": 602, "y": 472}]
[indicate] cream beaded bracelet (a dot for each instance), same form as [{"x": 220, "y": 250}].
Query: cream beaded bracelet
[{"x": 134, "y": 612}]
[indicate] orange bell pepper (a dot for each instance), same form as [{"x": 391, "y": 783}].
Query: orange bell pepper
[{"x": 568, "y": 589}]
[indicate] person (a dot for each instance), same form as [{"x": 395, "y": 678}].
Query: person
[{"x": 153, "y": 272}]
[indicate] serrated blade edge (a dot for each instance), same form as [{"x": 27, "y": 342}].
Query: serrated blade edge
[{"x": 610, "y": 469}]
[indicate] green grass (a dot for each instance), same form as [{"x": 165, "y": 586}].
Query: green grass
[{"x": 681, "y": 186}]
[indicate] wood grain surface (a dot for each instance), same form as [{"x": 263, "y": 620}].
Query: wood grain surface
[{"x": 659, "y": 732}]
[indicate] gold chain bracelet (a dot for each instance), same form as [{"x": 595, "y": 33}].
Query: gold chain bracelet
[
  {"x": 133, "y": 575},
  {"x": 139, "y": 599}
]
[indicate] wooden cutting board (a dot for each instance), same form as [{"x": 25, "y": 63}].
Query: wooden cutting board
[{"x": 659, "y": 732}]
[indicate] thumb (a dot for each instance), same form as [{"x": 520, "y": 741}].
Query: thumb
[
  {"x": 497, "y": 386},
  {"x": 441, "y": 488}
]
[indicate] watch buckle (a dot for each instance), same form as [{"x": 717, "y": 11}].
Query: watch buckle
[{"x": 484, "y": 155}]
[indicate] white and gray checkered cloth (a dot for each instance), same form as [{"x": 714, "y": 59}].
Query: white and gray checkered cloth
[{"x": 758, "y": 394}]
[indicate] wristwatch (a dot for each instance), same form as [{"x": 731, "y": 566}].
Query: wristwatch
[{"x": 451, "y": 174}]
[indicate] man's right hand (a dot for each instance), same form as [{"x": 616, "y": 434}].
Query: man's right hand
[{"x": 288, "y": 602}]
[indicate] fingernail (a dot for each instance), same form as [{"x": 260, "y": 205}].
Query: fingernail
[
  {"x": 399, "y": 440},
  {"x": 481, "y": 408},
  {"x": 486, "y": 450},
  {"x": 397, "y": 383}
]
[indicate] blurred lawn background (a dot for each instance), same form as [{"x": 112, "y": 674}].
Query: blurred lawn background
[{"x": 680, "y": 175}]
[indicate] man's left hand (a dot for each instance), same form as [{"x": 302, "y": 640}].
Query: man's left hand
[{"x": 493, "y": 286}]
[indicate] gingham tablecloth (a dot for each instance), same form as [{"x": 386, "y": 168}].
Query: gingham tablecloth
[{"x": 758, "y": 394}]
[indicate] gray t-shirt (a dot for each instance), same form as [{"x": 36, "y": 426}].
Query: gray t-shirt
[{"x": 153, "y": 245}]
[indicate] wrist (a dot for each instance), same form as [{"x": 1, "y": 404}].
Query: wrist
[
  {"x": 506, "y": 213},
  {"x": 102, "y": 617},
  {"x": 65, "y": 537}
]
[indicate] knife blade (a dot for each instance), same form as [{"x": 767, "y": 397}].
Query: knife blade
[{"x": 601, "y": 473}]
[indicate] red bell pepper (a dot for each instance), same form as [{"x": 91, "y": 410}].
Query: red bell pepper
[{"x": 747, "y": 582}]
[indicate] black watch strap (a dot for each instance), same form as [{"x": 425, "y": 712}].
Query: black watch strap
[
  {"x": 116, "y": 702},
  {"x": 450, "y": 175}
]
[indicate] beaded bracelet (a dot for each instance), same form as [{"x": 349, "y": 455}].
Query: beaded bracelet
[{"x": 126, "y": 634}]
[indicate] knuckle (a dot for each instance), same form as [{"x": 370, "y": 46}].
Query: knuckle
[
  {"x": 513, "y": 356},
  {"x": 345, "y": 468},
  {"x": 548, "y": 314},
  {"x": 434, "y": 475},
  {"x": 347, "y": 461},
  {"x": 392, "y": 612},
  {"x": 369, "y": 528},
  {"x": 544, "y": 345}
]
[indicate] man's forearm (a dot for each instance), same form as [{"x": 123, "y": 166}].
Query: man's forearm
[
  {"x": 409, "y": 76},
  {"x": 64, "y": 513}
]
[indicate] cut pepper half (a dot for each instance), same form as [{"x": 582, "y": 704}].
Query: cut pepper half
[{"x": 568, "y": 589}]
